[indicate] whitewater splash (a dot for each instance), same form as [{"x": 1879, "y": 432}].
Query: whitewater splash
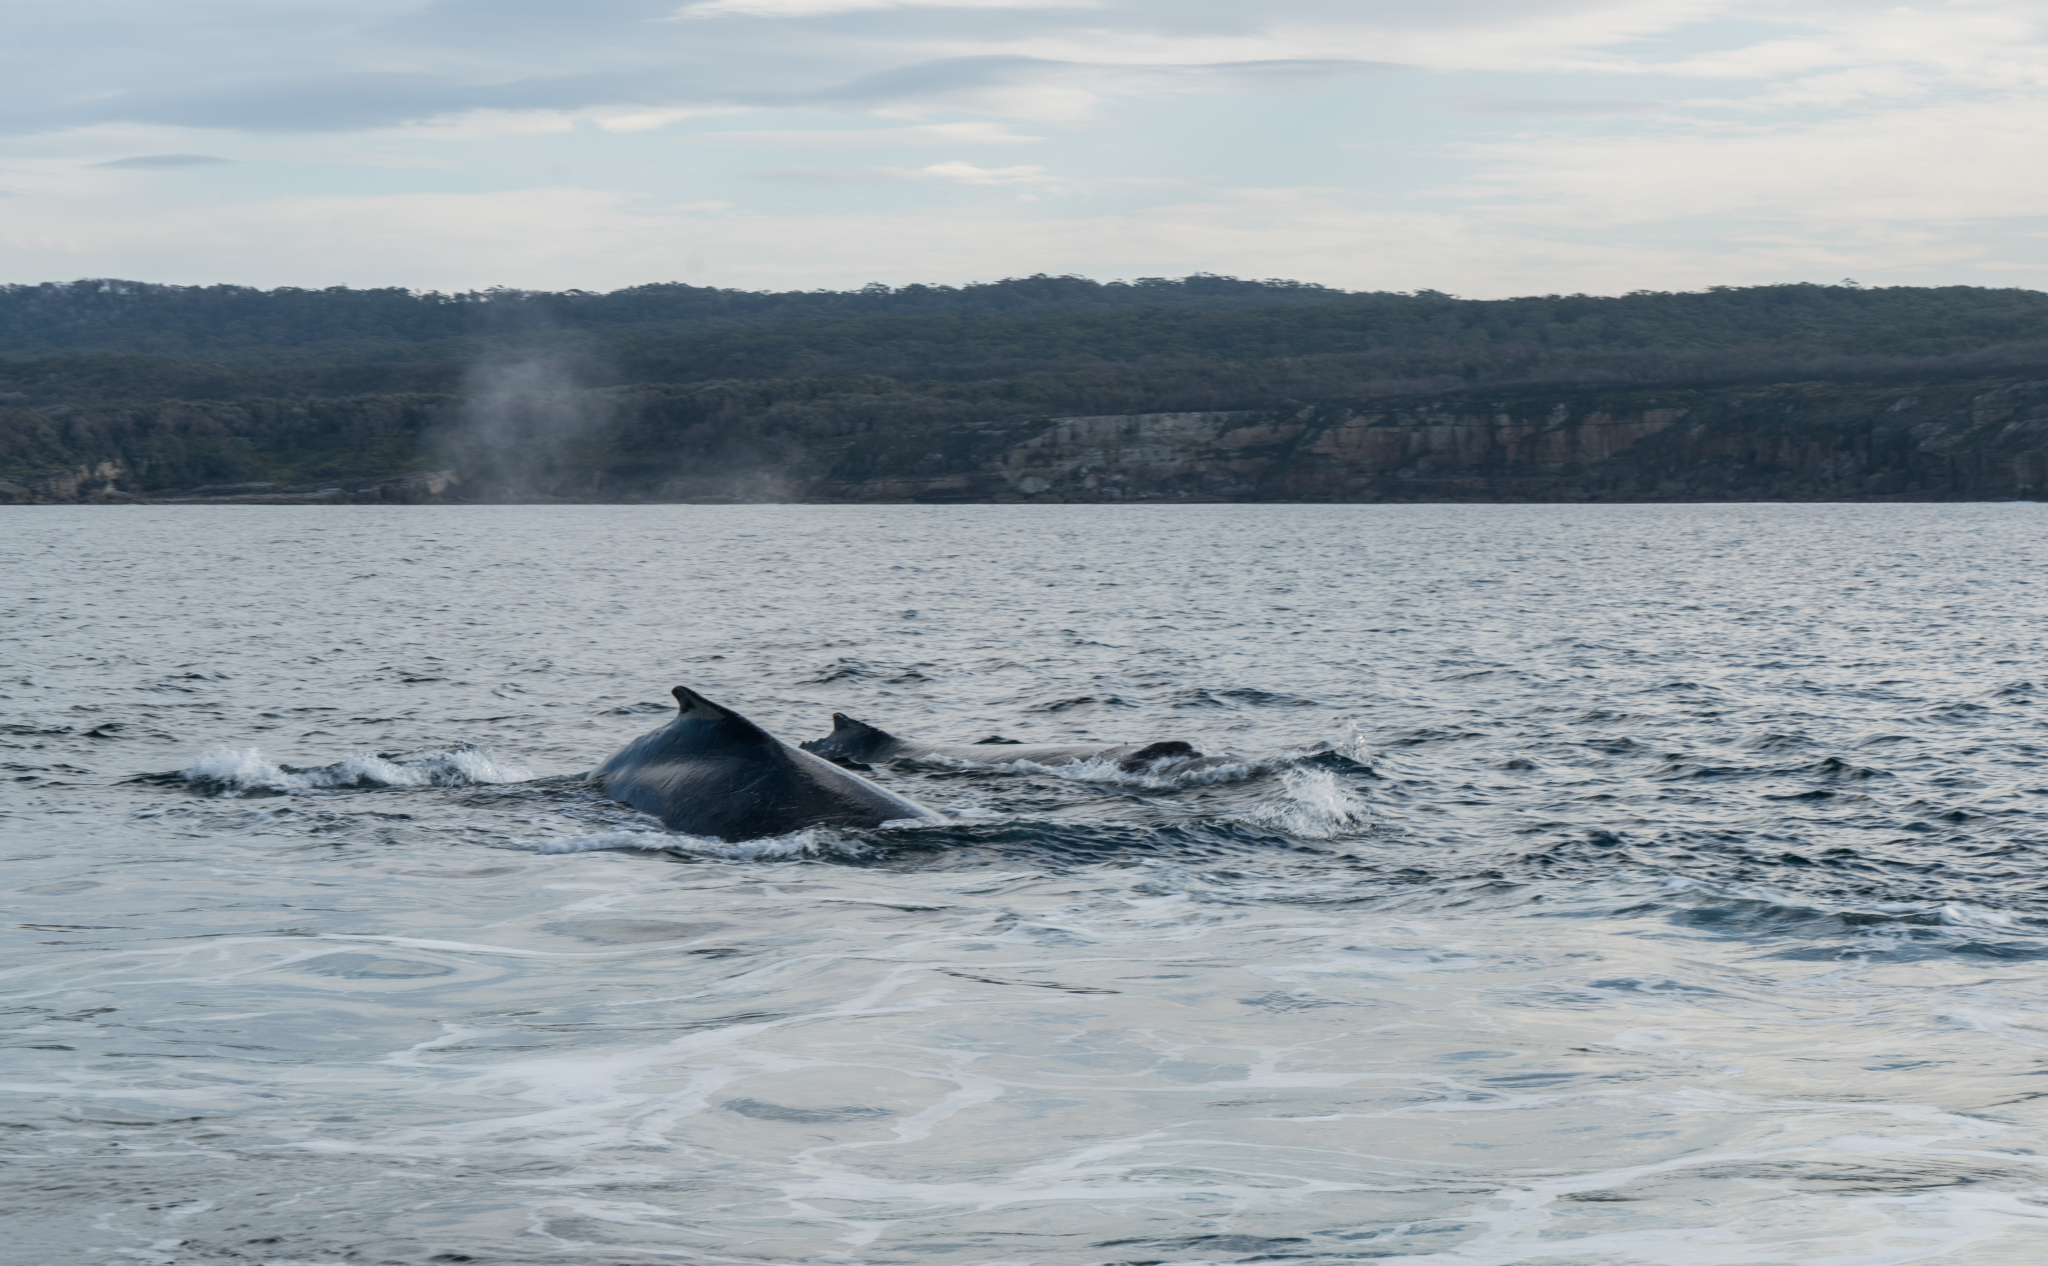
[
  {"x": 1168, "y": 773},
  {"x": 1313, "y": 805},
  {"x": 225, "y": 771}
]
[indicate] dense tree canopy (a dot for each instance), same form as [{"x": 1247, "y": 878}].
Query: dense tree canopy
[{"x": 696, "y": 329}]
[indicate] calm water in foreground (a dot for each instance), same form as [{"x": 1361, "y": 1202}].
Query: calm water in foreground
[{"x": 1590, "y": 885}]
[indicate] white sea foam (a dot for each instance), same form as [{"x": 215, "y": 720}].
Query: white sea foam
[
  {"x": 1165, "y": 774},
  {"x": 644, "y": 841},
  {"x": 1313, "y": 804},
  {"x": 812, "y": 842},
  {"x": 233, "y": 771}
]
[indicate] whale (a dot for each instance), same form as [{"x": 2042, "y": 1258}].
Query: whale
[
  {"x": 712, "y": 772},
  {"x": 860, "y": 745}
]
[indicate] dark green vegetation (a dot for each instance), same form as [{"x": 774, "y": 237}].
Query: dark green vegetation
[
  {"x": 242, "y": 326},
  {"x": 672, "y": 391}
]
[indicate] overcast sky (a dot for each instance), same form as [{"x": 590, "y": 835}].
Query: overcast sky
[{"x": 1482, "y": 147}]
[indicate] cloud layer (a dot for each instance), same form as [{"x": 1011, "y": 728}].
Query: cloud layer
[{"x": 1482, "y": 146}]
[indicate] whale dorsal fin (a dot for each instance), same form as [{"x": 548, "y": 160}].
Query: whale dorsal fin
[
  {"x": 845, "y": 727},
  {"x": 852, "y": 742},
  {"x": 696, "y": 707}
]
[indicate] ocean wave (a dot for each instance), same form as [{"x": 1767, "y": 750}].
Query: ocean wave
[
  {"x": 642, "y": 841},
  {"x": 810, "y": 844},
  {"x": 228, "y": 771},
  {"x": 1168, "y": 773}
]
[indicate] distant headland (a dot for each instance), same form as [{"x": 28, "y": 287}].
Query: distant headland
[{"x": 1033, "y": 389}]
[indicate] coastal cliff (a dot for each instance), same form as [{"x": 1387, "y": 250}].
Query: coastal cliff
[
  {"x": 1801, "y": 442},
  {"x": 1804, "y": 441}
]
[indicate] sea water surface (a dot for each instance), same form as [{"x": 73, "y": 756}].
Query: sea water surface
[{"x": 1584, "y": 885}]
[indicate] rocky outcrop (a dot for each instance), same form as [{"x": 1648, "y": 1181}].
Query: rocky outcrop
[
  {"x": 95, "y": 484},
  {"x": 357, "y": 448},
  {"x": 99, "y": 485},
  {"x": 414, "y": 489}
]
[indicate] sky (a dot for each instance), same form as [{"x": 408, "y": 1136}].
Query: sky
[{"x": 1485, "y": 148}]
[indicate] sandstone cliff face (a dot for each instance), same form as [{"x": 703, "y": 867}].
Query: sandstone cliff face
[
  {"x": 1213, "y": 456},
  {"x": 1807, "y": 443}
]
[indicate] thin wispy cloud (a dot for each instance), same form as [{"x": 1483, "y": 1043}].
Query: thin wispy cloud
[
  {"x": 1557, "y": 106},
  {"x": 953, "y": 172},
  {"x": 919, "y": 134},
  {"x": 148, "y": 161}
]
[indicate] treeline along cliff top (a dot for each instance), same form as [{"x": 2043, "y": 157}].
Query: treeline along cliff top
[{"x": 1036, "y": 388}]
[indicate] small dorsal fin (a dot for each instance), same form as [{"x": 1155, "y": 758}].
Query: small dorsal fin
[
  {"x": 852, "y": 741},
  {"x": 845, "y": 727}
]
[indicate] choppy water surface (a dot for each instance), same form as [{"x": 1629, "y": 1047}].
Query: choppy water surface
[{"x": 1589, "y": 885}]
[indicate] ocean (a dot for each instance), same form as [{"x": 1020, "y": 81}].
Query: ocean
[{"x": 1584, "y": 885}]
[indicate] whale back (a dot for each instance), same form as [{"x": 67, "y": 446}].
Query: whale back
[
  {"x": 859, "y": 744},
  {"x": 711, "y": 771},
  {"x": 855, "y": 741}
]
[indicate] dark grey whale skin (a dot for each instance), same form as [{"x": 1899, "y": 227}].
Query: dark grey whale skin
[
  {"x": 713, "y": 772},
  {"x": 858, "y": 743}
]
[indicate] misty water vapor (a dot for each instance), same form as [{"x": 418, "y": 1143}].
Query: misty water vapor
[
  {"x": 532, "y": 430},
  {"x": 561, "y": 427}
]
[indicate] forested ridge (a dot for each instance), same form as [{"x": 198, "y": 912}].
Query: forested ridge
[
  {"x": 670, "y": 390},
  {"x": 682, "y": 328}
]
